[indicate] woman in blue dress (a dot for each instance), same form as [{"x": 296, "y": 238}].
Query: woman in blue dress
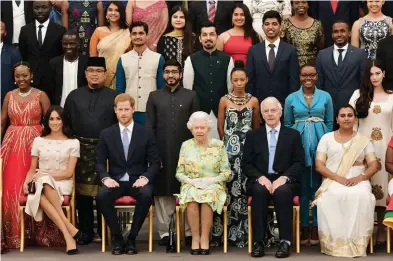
[{"x": 310, "y": 111}]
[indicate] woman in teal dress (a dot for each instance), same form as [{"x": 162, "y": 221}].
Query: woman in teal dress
[
  {"x": 310, "y": 111},
  {"x": 203, "y": 170}
]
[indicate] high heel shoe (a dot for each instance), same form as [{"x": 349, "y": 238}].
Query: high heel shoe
[
  {"x": 72, "y": 251},
  {"x": 194, "y": 252},
  {"x": 204, "y": 252}
]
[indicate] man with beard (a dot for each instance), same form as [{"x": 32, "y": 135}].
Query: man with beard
[
  {"x": 39, "y": 42},
  {"x": 89, "y": 110},
  {"x": 68, "y": 70},
  {"x": 340, "y": 67},
  {"x": 168, "y": 111},
  {"x": 139, "y": 71},
  {"x": 208, "y": 72},
  {"x": 272, "y": 66}
]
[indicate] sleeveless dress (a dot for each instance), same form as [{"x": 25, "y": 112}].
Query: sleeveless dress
[
  {"x": 25, "y": 118},
  {"x": 237, "y": 47},
  {"x": 371, "y": 33}
]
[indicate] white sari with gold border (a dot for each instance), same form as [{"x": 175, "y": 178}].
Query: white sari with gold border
[{"x": 345, "y": 214}]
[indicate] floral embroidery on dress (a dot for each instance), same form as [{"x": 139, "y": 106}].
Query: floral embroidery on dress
[
  {"x": 378, "y": 192},
  {"x": 377, "y": 109},
  {"x": 376, "y": 134}
]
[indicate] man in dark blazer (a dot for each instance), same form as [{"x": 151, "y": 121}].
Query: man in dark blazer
[
  {"x": 385, "y": 54},
  {"x": 7, "y": 16},
  {"x": 329, "y": 12},
  {"x": 39, "y": 42},
  {"x": 9, "y": 56},
  {"x": 340, "y": 77},
  {"x": 273, "y": 158},
  {"x": 70, "y": 67},
  {"x": 133, "y": 160},
  {"x": 272, "y": 66}
]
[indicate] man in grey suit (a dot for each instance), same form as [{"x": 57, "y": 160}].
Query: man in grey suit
[
  {"x": 272, "y": 66},
  {"x": 341, "y": 66}
]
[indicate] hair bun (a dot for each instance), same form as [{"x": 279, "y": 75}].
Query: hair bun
[{"x": 239, "y": 64}]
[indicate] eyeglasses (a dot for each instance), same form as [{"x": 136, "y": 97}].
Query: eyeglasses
[
  {"x": 95, "y": 71},
  {"x": 272, "y": 111},
  {"x": 310, "y": 76},
  {"x": 171, "y": 72}
]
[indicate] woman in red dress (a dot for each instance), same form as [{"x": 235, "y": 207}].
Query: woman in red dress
[{"x": 24, "y": 108}]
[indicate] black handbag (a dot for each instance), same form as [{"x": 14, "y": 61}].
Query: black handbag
[
  {"x": 31, "y": 187},
  {"x": 171, "y": 247}
]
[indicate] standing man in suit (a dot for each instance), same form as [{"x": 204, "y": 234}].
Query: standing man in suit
[
  {"x": 40, "y": 41},
  {"x": 385, "y": 54},
  {"x": 9, "y": 56},
  {"x": 215, "y": 11},
  {"x": 16, "y": 14},
  {"x": 68, "y": 70},
  {"x": 133, "y": 159},
  {"x": 273, "y": 158},
  {"x": 331, "y": 11},
  {"x": 340, "y": 67},
  {"x": 272, "y": 66}
]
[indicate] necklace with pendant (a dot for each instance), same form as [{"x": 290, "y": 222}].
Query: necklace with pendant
[
  {"x": 342, "y": 143},
  {"x": 25, "y": 94},
  {"x": 308, "y": 96}
]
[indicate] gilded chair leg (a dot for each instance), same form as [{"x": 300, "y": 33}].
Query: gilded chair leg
[
  {"x": 103, "y": 234},
  {"x": 372, "y": 243},
  {"x": 225, "y": 229},
  {"x": 249, "y": 230},
  {"x": 388, "y": 239},
  {"x": 22, "y": 228},
  {"x": 298, "y": 230},
  {"x": 183, "y": 226},
  {"x": 178, "y": 229},
  {"x": 109, "y": 236},
  {"x": 151, "y": 229}
]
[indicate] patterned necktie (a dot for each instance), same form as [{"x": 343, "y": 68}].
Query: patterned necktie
[
  {"x": 340, "y": 57},
  {"x": 272, "y": 56},
  {"x": 212, "y": 11},
  {"x": 40, "y": 34},
  {"x": 334, "y": 4},
  {"x": 272, "y": 149},
  {"x": 126, "y": 142}
]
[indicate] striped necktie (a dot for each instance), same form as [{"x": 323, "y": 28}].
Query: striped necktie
[{"x": 212, "y": 11}]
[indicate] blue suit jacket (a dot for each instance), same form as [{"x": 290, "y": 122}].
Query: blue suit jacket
[{"x": 9, "y": 56}]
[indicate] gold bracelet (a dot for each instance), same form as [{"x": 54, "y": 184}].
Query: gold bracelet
[{"x": 364, "y": 176}]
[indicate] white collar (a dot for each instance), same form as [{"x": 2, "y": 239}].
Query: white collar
[
  {"x": 277, "y": 128},
  {"x": 1, "y": 46},
  {"x": 45, "y": 24},
  {"x": 276, "y": 43},
  {"x": 137, "y": 54},
  {"x": 345, "y": 47},
  {"x": 129, "y": 128}
]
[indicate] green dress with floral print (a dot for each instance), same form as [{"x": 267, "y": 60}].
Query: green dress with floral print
[{"x": 210, "y": 162}]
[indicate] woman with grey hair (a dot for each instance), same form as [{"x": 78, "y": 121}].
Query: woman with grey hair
[{"x": 203, "y": 170}]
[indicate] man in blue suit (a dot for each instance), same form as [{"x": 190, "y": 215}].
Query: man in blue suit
[{"x": 9, "y": 56}]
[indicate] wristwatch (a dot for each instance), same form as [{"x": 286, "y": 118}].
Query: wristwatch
[{"x": 286, "y": 178}]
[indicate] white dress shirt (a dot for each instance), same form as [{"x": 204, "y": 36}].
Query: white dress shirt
[
  {"x": 1, "y": 47},
  {"x": 129, "y": 134},
  {"x": 43, "y": 30},
  {"x": 336, "y": 53},
  {"x": 268, "y": 133},
  {"x": 18, "y": 16},
  {"x": 70, "y": 79},
  {"x": 267, "y": 47}
]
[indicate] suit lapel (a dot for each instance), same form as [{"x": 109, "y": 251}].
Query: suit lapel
[
  {"x": 33, "y": 34},
  {"x": 80, "y": 69},
  {"x": 279, "y": 52},
  {"x": 134, "y": 140},
  {"x": 280, "y": 143},
  {"x": 317, "y": 95},
  {"x": 118, "y": 141},
  {"x": 347, "y": 60},
  {"x": 300, "y": 96},
  {"x": 334, "y": 65},
  {"x": 218, "y": 10},
  {"x": 265, "y": 146},
  {"x": 264, "y": 57},
  {"x": 47, "y": 40}
]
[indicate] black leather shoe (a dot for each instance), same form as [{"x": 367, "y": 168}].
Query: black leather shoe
[
  {"x": 164, "y": 241},
  {"x": 83, "y": 238},
  {"x": 130, "y": 248},
  {"x": 204, "y": 252},
  {"x": 284, "y": 250},
  {"x": 72, "y": 251},
  {"x": 117, "y": 245},
  {"x": 258, "y": 250},
  {"x": 194, "y": 252}
]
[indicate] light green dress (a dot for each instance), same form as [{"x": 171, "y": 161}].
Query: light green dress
[{"x": 196, "y": 162}]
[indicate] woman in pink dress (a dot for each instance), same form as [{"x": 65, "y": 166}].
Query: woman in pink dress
[
  {"x": 237, "y": 40},
  {"x": 24, "y": 108},
  {"x": 154, "y": 14}
]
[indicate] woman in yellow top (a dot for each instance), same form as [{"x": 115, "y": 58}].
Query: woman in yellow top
[{"x": 203, "y": 170}]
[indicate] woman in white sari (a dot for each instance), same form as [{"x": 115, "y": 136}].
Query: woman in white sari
[{"x": 345, "y": 203}]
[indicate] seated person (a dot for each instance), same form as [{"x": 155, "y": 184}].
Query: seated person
[
  {"x": 54, "y": 156},
  {"x": 203, "y": 170},
  {"x": 133, "y": 162},
  {"x": 273, "y": 158},
  {"x": 345, "y": 204},
  {"x": 388, "y": 220}
]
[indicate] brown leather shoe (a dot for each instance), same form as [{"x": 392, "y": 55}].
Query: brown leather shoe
[
  {"x": 305, "y": 236},
  {"x": 314, "y": 240}
]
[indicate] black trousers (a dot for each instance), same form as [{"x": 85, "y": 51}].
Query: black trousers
[
  {"x": 283, "y": 204},
  {"x": 84, "y": 205},
  {"x": 107, "y": 196}
]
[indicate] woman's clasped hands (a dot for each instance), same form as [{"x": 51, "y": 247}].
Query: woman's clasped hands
[{"x": 201, "y": 183}]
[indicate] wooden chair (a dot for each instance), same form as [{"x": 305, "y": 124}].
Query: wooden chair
[
  {"x": 180, "y": 223},
  {"x": 68, "y": 206},
  {"x": 296, "y": 223},
  {"x": 126, "y": 202},
  {"x": 388, "y": 238}
]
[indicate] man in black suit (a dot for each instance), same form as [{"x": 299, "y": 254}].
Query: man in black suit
[
  {"x": 340, "y": 67},
  {"x": 133, "y": 159},
  {"x": 218, "y": 12},
  {"x": 272, "y": 66},
  {"x": 329, "y": 12},
  {"x": 68, "y": 70},
  {"x": 39, "y": 42},
  {"x": 15, "y": 14},
  {"x": 9, "y": 56},
  {"x": 273, "y": 158},
  {"x": 385, "y": 54}
]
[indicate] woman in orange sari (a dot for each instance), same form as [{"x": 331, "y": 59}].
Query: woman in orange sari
[{"x": 111, "y": 41}]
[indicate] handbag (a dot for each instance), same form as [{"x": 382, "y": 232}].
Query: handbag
[
  {"x": 31, "y": 187},
  {"x": 171, "y": 247}
]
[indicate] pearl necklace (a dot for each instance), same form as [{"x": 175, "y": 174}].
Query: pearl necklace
[
  {"x": 308, "y": 96},
  {"x": 25, "y": 94}
]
